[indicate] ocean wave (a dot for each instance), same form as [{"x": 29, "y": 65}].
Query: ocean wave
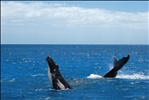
[
  {"x": 12, "y": 80},
  {"x": 123, "y": 76},
  {"x": 37, "y": 75},
  {"x": 133, "y": 76}
]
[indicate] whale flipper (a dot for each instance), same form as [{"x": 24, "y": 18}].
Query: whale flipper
[
  {"x": 58, "y": 82},
  {"x": 117, "y": 66}
]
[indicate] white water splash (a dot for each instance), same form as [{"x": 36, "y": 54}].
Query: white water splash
[
  {"x": 94, "y": 76},
  {"x": 122, "y": 76},
  {"x": 133, "y": 76}
]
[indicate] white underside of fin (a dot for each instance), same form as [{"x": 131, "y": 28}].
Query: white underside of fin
[
  {"x": 49, "y": 74},
  {"x": 60, "y": 85}
]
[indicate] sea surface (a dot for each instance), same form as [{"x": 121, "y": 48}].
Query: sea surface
[{"x": 24, "y": 72}]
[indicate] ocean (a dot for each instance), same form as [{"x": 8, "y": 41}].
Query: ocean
[{"x": 24, "y": 72}]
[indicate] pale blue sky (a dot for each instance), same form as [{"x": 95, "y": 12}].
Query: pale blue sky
[{"x": 71, "y": 22}]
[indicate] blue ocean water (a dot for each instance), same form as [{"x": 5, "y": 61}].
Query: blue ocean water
[{"x": 24, "y": 72}]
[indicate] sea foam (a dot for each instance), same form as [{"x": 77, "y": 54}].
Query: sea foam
[
  {"x": 123, "y": 76},
  {"x": 94, "y": 76}
]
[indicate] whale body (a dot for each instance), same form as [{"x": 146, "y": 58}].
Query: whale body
[
  {"x": 58, "y": 81},
  {"x": 54, "y": 74}
]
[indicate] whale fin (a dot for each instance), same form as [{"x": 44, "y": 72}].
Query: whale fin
[{"x": 117, "y": 65}]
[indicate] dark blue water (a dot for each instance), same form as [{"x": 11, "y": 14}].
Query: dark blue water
[{"x": 24, "y": 72}]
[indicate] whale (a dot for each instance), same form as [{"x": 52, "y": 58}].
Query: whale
[
  {"x": 54, "y": 74},
  {"x": 118, "y": 64}
]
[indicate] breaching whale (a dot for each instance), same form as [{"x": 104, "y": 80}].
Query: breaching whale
[
  {"x": 58, "y": 81},
  {"x": 118, "y": 64}
]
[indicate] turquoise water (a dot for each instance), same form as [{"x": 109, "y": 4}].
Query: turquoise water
[{"x": 24, "y": 72}]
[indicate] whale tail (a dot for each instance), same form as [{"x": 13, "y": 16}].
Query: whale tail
[{"x": 117, "y": 66}]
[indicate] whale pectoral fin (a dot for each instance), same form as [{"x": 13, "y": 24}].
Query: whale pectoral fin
[
  {"x": 60, "y": 84},
  {"x": 54, "y": 84}
]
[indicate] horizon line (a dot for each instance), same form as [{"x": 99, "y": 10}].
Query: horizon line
[{"x": 69, "y": 44}]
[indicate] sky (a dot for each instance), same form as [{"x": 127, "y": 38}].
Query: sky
[{"x": 74, "y": 22}]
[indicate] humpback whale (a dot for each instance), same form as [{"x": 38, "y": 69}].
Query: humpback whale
[
  {"x": 58, "y": 81},
  {"x": 118, "y": 64}
]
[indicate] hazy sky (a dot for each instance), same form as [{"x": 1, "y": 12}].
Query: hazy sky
[{"x": 74, "y": 22}]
